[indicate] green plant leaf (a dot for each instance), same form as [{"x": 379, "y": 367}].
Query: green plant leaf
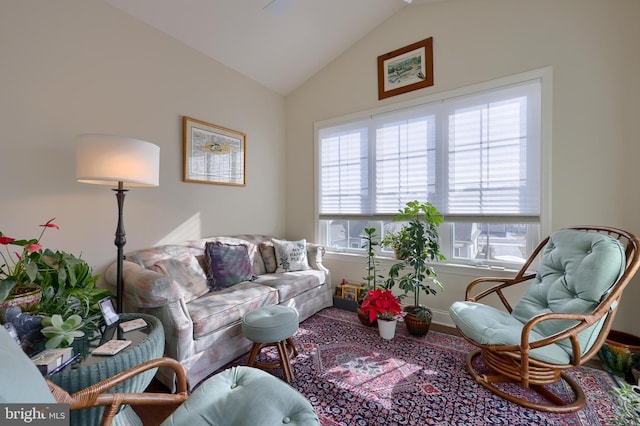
[
  {"x": 56, "y": 321},
  {"x": 74, "y": 321},
  {"x": 54, "y": 342},
  {"x": 6, "y": 285}
]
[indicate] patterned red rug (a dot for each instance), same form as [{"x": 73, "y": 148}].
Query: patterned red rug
[{"x": 354, "y": 377}]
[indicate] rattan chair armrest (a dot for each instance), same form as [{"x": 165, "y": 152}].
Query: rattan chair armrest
[
  {"x": 96, "y": 395},
  {"x": 499, "y": 285},
  {"x": 583, "y": 322}
]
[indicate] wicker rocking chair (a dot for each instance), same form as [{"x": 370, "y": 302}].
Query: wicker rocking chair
[{"x": 560, "y": 322}]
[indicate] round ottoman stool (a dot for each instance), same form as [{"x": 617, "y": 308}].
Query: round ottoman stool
[{"x": 272, "y": 326}]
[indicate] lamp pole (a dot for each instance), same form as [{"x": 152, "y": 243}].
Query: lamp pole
[{"x": 120, "y": 241}]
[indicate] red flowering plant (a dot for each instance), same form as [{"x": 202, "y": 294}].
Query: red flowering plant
[
  {"x": 19, "y": 270},
  {"x": 381, "y": 303}
]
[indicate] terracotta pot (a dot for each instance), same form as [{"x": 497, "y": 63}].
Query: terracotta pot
[
  {"x": 364, "y": 318},
  {"x": 28, "y": 299},
  {"x": 619, "y": 353},
  {"x": 417, "y": 326}
]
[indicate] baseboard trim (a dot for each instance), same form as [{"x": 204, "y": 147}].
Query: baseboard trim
[{"x": 442, "y": 318}]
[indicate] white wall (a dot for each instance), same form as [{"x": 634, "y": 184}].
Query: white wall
[
  {"x": 592, "y": 46},
  {"x": 83, "y": 66}
]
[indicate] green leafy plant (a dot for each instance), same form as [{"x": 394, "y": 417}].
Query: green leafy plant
[
  {"x": 418, "y": 244},
  {"x": 396, "y": 240},
  {"x": 69, "y": 288},
  {"x": 373, "y": 278},
  {"x": 628, "y": 404},
  {"x": 66, "y": 281},
  {"x": 59, "y": 332}
]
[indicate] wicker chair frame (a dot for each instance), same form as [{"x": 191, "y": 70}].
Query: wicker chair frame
[
  {"x": 96, "y": 395},
  {"x": 513, "y": 363}
]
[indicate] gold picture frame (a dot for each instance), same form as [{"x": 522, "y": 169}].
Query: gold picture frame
[
  {"x": 213, "y": 154},
  {"x": 406, "y": 69}
]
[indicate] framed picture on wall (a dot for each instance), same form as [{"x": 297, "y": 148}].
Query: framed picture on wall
[
  {"x": 406, "y": 69},
  {"x": 213, "y": 154}
]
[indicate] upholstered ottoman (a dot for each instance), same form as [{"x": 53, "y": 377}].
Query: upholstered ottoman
[
  {"x": 272, "y": 326},
  {"x": 243, "y": 396}
]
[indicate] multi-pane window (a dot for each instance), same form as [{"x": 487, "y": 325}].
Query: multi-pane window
[{"x": 476, "y": 157}]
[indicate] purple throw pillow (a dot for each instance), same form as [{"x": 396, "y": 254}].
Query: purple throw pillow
[{"x": 227, "y": 264}]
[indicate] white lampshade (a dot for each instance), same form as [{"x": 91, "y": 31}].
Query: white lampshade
[{"x": 109, "y": 159}]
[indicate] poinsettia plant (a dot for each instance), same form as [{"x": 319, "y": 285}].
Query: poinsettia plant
[
  {"x": 381, "y": 303},
  {"x": 19, "y": 270}
]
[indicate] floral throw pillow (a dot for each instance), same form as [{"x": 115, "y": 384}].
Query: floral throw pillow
[
  {"x": 291, "y": 255},
  {"x": 227, "y": 264},
  {"x": 186, "y": 271}
]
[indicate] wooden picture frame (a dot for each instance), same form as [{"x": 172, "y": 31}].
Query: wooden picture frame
[
  {"x": 213, "y": 154},
  {"x": 406, "y": 69}
]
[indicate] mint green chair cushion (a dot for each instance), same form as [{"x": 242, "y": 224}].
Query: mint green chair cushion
[
  {"x": 244, "y": 396},
  {"x": 20, "y": 380},
  {"x": 576, "y": 270}
]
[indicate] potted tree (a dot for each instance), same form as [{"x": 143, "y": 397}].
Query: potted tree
[{"x": 418, "y": 245}]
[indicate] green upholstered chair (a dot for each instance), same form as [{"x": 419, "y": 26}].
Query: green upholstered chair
[
  {"x": 561, "y": 320},
  {"x": 239, "y": 396}
]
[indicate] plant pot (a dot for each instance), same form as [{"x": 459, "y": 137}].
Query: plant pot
[
  {"x": 387, "y": 328},
  {"x": 619, "y": 353},
  {"x": 364, "y": 318},
  {"x": 27, "y": 299},
  {"x": 416, "y": 325}
]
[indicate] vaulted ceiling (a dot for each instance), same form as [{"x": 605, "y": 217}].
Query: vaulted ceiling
[{"x": 279, "y": 43}]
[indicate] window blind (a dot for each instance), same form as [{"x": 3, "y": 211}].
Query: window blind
[{"x": 476, "y": 155}]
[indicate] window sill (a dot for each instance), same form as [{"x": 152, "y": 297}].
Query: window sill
[{"x": 441, "y": 267}]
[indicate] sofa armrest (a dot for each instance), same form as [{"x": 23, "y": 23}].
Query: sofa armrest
[
  {"x": 145, "y": 288},
  {"x": 315, "y": 253}
]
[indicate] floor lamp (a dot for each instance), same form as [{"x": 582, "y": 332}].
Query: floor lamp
[{"x": 120, "y": 161}]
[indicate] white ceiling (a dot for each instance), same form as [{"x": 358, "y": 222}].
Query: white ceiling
[{"x": 281, "y": 46}]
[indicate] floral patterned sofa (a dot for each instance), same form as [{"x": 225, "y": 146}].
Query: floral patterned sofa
[{"x": 203, "y": 325}]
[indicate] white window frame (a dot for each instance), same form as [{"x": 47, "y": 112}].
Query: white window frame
[{"x": 544, "y": 75}]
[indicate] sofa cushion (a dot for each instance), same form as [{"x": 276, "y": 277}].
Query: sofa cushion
[
  {"x": 187, "y": 272},
  {"x": 150, "y": 256},
  {"x": 291, "y": 255},
  {"x": 268, "y": 253},
  {"x": 220, "y": 309},
  {"x": 228, "y": 264},
  {"x": 292, "y": 284}
]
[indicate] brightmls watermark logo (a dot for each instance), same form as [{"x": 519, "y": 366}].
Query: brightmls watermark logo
[{"x": 34, "y": 414}]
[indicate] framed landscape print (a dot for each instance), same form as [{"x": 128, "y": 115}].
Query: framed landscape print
[
  {"x": 213, "y": 154},
  {"x": 406, "y": 69}
]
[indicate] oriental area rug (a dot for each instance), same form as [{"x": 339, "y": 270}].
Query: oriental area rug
[{"x": 351, "y": 376}]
